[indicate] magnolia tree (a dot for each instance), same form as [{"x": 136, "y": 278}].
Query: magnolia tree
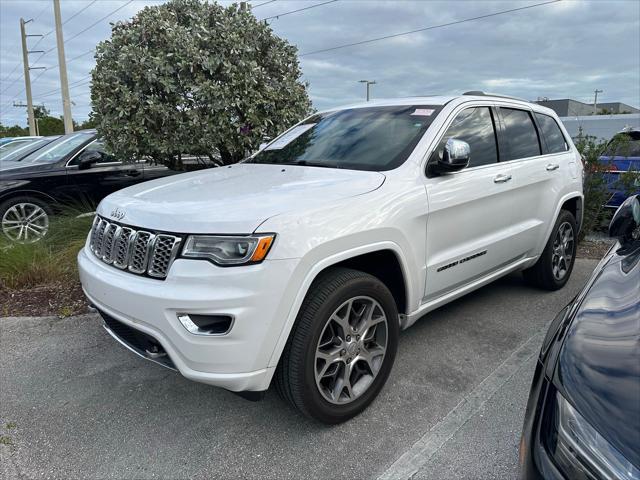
[{"x": 188, "y": 77}]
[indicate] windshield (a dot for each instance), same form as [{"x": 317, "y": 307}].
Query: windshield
[
  {"x": 371, "y": 138},
  {"x": 25, "y": 149},
  {"x": 59, "y": 148}
]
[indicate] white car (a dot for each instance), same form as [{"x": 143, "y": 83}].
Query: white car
[{"x": 301, "y": 264}]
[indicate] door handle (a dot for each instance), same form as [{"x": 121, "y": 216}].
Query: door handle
[
  {"x": 552, "y": 166},
  {"x": 133, "y": 173},
  {"x": 501, "y": 178}
]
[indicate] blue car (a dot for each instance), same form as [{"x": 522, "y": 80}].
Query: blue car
[{"x": 621, "y": 155}]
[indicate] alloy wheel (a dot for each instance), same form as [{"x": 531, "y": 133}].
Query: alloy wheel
[
  {"x": 351, "y": 350},
  {"x": 25, "y": 222},
  {"x": 563, "y": 246}
]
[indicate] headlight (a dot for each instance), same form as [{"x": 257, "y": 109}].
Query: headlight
[
  {"x": 580, "y": 451},
  {"x": 228, "y": 251}
]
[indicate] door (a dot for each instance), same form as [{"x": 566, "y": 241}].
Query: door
[
  {"x": 536, "y": 149},
  {"x": 98, "y": 180},
  {"x": 469, "y": 221}
]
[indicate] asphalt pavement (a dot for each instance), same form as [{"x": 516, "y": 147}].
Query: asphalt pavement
[{"x": 75, "y": 404}]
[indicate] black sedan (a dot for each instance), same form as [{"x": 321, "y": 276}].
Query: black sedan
[
  {"x": 74, "y": 170},
  {"x": 583, "y": 415}
]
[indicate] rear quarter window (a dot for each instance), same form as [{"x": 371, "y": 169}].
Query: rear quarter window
[{"x": 552, "y": 134}]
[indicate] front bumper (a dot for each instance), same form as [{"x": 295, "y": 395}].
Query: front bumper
[{"x": 254, "y": 295}]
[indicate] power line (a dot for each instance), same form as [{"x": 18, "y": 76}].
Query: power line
[
  {"x": 371, "y": 40},
  {"x": 261, "y": 4},
  {"x": 89, "y": 27},
  {"x": 78, "y": 13},
  {"x": 298, "y": 10},
  {"x": 41, "y": 12},
  {"x": 70, "y": 87},
  {"x": 11, "y": 73},
  {"x": 46, "y": 94}
]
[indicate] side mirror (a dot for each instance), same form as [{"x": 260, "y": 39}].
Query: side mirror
[
  {"x": 88, "y": 158},
  {"x": 455, "y": 157},
  {"x": 625, "y": 224}
]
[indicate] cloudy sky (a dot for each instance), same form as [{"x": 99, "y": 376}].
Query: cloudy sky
[{"x": 558, "y": 50}]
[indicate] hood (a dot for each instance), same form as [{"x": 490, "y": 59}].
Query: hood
[
  {"x": 235, "y": 199},
  {"x": 599, "y": 364}
]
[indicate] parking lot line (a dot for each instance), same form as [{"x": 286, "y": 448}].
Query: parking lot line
[{"x": 419, "y": 454}]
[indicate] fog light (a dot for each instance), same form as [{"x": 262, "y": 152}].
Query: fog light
[{"x": 198, "y": 324}]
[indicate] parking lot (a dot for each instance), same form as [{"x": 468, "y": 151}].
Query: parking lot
[{"x": 75, "y": 404}]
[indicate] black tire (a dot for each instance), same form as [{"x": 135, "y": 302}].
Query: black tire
[
  {"x": 541, "y": 275},
  {"x": 295, "y": 376},
  {"x": 5, "y": 205}
]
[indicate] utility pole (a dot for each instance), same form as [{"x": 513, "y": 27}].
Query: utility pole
[
  {"x": 369, "y": 83},
  {"x": 64, "y": 83},
  {"x": 27, "y": 78},
  {"x": 595, "y": 101}
]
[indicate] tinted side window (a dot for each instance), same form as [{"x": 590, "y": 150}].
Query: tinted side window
[
  {"x": 98, "y": 146},
  {"x": 520, "y": 133},
  {"x": 552, "y": 134},
  {"x": 474, "y": 126}
]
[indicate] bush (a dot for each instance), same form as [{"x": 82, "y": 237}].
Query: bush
[
  {"x": 189, "y": 77},
  {"x": 594, "y": 186},
  {"x": 596, "y": 193}
]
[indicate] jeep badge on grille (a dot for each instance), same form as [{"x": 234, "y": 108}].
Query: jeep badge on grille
[{"x": 117, "y": 214}]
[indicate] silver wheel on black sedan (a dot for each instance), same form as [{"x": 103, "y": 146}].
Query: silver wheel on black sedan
[
  {"x": 25, "y": 222},
  {"x": 351, "y": 350}
]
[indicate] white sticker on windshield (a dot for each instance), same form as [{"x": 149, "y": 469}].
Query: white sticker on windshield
[
  {"x": 290, "y": 136},
  {"x": 423, "y": 112}
]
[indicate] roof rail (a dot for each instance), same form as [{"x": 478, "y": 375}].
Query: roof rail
[{"x": 480, "y": 93}]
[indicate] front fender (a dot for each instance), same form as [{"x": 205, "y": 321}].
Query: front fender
[{"x": 316, "y": 262}]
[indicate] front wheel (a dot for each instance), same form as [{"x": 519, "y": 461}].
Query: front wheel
[
  {"x": 342, "y": 346},
  {"x": 554, "y": 267},
  {"x": 24, "y": 219}
]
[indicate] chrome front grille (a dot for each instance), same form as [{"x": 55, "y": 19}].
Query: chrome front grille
[{"x": 138, "y": 251}]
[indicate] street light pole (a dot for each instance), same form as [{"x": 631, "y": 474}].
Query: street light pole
[
  {"x": 595, "y": 101},
  {"x": 369, "y": 83}
]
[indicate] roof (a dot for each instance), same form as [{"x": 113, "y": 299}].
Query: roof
[{"x": 437, "y": 100}]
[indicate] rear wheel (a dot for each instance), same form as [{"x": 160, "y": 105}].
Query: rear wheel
[
  {"x": 24, "y": 219},
  {"x": 342, "y": 346},
  {"x": 554, "y": 267}
]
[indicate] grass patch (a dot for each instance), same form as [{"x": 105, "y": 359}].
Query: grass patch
[{"x": 52, "y": 259}]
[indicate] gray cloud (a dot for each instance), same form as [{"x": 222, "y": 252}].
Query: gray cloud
[{"x": 560, "y": 50}]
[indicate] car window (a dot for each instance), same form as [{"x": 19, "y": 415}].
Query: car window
[
  {"x": 552, "y": 134},
  {"x": 97, "y": 146},
  {"x": 370, "y": 138},
  {"x": 624, "y": 145},
  {"x": 58, "y": 149},
  {"x": 474, "y": 126},
  {"x": 520, "y": 133}
]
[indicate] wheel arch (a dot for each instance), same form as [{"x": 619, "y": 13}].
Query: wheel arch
[
  {"x": 29, "y": 193},
  {"x": 396, "y": 274},
  {"x": 573, "y": 205}
]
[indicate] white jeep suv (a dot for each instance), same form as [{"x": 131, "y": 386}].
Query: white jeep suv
[{"x": 302, "y": 263}]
